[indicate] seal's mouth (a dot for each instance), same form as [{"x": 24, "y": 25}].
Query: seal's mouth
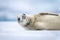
[{"x": 21, "y": 19}]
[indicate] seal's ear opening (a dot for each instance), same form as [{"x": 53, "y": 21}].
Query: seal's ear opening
[{"x": 48, "y": 14}]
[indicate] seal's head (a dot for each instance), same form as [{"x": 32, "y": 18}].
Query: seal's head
[{"x": 23, "y": 19}]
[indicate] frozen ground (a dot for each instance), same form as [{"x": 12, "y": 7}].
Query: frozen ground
[{"x": 12, "y": 31}]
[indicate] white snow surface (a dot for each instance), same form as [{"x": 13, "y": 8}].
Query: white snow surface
[{"x": 13, "y": 31}]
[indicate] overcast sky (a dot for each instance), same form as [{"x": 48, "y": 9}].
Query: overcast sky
[{"x": 11, "y": 8}]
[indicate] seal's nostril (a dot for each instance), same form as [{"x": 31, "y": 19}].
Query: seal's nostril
[{"x": 18, "y": 19}]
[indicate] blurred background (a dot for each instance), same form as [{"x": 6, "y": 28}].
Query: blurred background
[
  {"x": 11, "y": 30},
  {"x": 9, "y": 9}
]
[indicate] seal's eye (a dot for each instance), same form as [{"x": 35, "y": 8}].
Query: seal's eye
[
  {"x": 23, "y": 17},
  {"x": 23, "y": 14}
]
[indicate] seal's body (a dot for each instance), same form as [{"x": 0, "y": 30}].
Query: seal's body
[{"x": 41, "y": 21}]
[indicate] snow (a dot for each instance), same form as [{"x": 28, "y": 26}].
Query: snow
[{"x": 13, "y": 31}]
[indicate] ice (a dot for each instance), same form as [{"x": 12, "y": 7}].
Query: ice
[{"x": 13, "y": 31}]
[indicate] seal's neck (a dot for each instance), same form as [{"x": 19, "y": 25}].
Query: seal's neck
[{"x": 28, "y": 23}]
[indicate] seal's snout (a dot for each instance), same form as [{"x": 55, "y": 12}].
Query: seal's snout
[{"x": 18, "y": 19}]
